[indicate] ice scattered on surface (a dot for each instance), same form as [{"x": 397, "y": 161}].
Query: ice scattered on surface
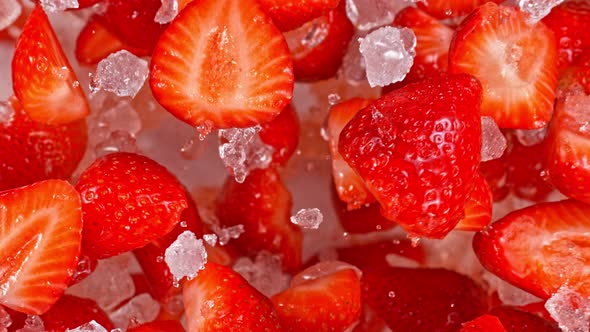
[
  {"x": 139, "y": 310},
  {"x": 353, "y": 65},
  {"x": 54, "y": 6},
  {"x": 531, "y": 137},
  {"x": 264, "y": 273},
  {"x": 211, "y": 239},
  {"x": 509, "y": 294},
  {"x": 537, "y": 9},
  {"x": 186, "y": 256},
  {"x": 5, "y": 320},
  {"x": 117, "y": 141},
  {"x": 121, "y": 73},
  {"x": 570, "y": 310},
  {"x": 308, "y": 218},
  {"x": 32, "y": 324},
  {"x": 493, "y": 142},
  {"x": 6, "y": 113},
  {"x": 389, "y": 54},
  {"x": 224, "y": 235},
  {"x": 10, "y": 10},
  {"x": 167, "y": 11},
  {"x": 244, "y": 151},
  {"x": 370, "y": 14},
  {"x": 91, "y": 326},
  {"x": 400, "y": 261}
]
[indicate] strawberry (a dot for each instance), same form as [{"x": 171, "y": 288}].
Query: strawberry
[
  {"x": 449, "y": 8},
  {"x": 158, "y": 326},
  {"x": 40, "y": 234},
  {"x": 539, "y": 248},
  {"x": 128, "y": 201},
  {"x": 219, "y": 299},
  {"x": 369, "y": 322},
  {"x": 422, "y": 299},
  {"x": 487, "y": 323},
  {"x": 87, "y": 3},
  {"x": 42, "y": 78},
  {"x": 417, "y": 150},
  {"x": 222, "y": 64},
  {"x": 478, "y": 209},
  {"x": 537, "y": 309},
  {"x": 290, "y": 14},
  {"x": 495, "y": 173},
  {"x": 318, "y": 47},
  {"x": 32, "y": 151},
  {"x": 575, "y": 76},
  {"x": 570, "y": 23},
  {"x": 262, "y": 204},
  {"x": 70, "y": 312},
  {"x": 365, "y": 219},
  {"x": 515, "y": 320},
  {"x": 514, "y": 61},
  {"x": 311, "y": 305},
  {"x": 375, "y": 254},
  {"x": 282, "y": 134}
]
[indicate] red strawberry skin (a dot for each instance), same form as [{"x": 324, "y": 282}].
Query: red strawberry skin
[
  {"x": 128, "y": 200},
  {"x": 515, "y": 320},
  {"x": 70, "y": 312},
  {"x": 450, "y": 8},
  {"x": 282, "y": 134},
  {"x": 290, "y": 14},
  {"x": 478, "y": 209},
  {"x": 487, "y": 323},
  {"x": 159, "y": 326},
  {"x": 417, "y": 150}
]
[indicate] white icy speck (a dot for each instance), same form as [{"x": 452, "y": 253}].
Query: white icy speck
[
  {"x": 139, "y": 310},
  {"x": 531, "y": 137},
  {"x": 244, "y": 151},
  {"x": 10, "y": 10},
  {"x": 570, "y": 310},
  {"x": 121, "y": 73},
  {"x": 186, "y": 256},
  {"x": 227, "y": 233},
  {"x": 389, "y": 54},
  {"x": 54, "y": 6},
  {"x": 32, "y": 324},
  {"x": 167, "y": 11},
  {"x": 6, "y": 113},
  {"x": 493, "y": 142},
  {"x": 211, "y": 239},
  {"x": 308, "y": 218},
  {"x": 537, "y": 9},
  {"x": 265, "y": 273},
  {"x": 370, "y": 14},
  {"x": 91, "y": 326}
]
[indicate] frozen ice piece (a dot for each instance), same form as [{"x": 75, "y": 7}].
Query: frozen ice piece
[
  {"x": 308, "y": 218},
  {"x": 308, "y": 36},
  {"x": 211, "y": 239},
  {"x": 10, "y": 10},
  {"x": 537, "y": 9},
  {"x": 531, "y": 137},
  {"x": 54, "y": 6},
  {"x": 244, "y": 151},
  {"x": 265, "y": 273},
  {"x": 167, "y": 12},
  {"x": 121, "y": 73},
  {"x": 227, "y": 233},
  {"x": 32, "y": 324},
  {"x": 186, "y": 256},
  {"x": 91, "y": 326},
  {"x": 389, "y": 54},
  {"x": 6, "y": 112},
  {"x": 570, "y": 310},
  {"x": 493, "y": 142},
  {"x": 139, "y": 310},
  {"x": 370, "y": 14}
]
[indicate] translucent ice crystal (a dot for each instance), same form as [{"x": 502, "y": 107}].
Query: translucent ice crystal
[
  {"x": 537, "y": 9},
  {"x": 211, "y": 239},
  {"x": 308, "y": 218},
  {"x": 493, "y": 142},
  {"x": 531, "y": 137},
  {"x": 224, "y": 235},
  {"x": 570, "y": 310},
  {"x": 244, "y": 151},
  {"x": 186, "y": 256},
  {"x": 32, "y": 324},
  {"x": 167, "y": 12},
  {"x": 121, "y": 73},
  {"x": 6, "y": 112},
  {"x": 91, "y": 326},
  {"x": 389, "y": 54},
  {"x": 139, "y": 310},
  {"x": 264, "y": 273},
  {"x": 370, "y": 14},
  {"x": 54, "y": 6},
  {"x": 10, "y": 10}
]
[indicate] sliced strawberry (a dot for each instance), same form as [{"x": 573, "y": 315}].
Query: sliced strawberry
[
  {"x": 158, "y": 326},
  {"x": 365, "y": 219},
  {"x": 282, "y": 134},
  {"x": 575, "y": 76},
  {"x": 450, "y": 8},
  {"x": 70, "y": 312},
  {"x": 262, "y": 204},
  {"x": 495, "y": 173},
  {"x": 422, "y": 300},
  {"x": 42, "y": 78},
  {"x": 290, "y": 14},
  {"x": 319, "y": 45},
  {"x": 128, "y": 201},
  {"x": 32, "y": 151},
  {"x": 40, "y": 234},
  {"x": 375, "y": 254},
  {"x": 515, "y": 320},
  {"x": 222, "y": 64},
  {"x": 219, "y": 299},
  {"x": 486, "y": 323},
  {"x": 514, "y": 61},
  {"x": 539, "y": 248},
  {"x": 349, "y": 185},
  {"x": 417, "y": 150},
  {"x": 313, "y": 304},
  {"x": 478, "y": 209}
]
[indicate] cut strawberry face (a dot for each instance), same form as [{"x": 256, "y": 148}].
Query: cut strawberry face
[
  {"x": 222, "y": 64},
  {"x": 417, "y": 150},
  {"x": 158, "y": 326},
  {"x": 539, "y": 248},
  {"x": 290, "y": 14},
  {"x": 70, "y": 312},
  {"x": 478, "y": 209},
  {"x": 486, "y": 323},
  {"x": 521, "y": 321},
  {"x": 282, "y": 134},
  {"x": 42, "y": 78},
  {"x": 449, "y": 8},
  {"x": 515, "y": 63},
  {"x": 40, "y": 235}
]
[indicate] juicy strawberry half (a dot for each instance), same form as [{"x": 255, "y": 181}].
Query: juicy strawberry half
[
  {"x": 222, "y": 64},
  {"x": 515, "y": 62},
  {"x": 290, "y": 14},
  {"x": 449, "y": 8},
  {"x": 282, "y": 134},
  {"x": 70, "y": 312},
  {"x": 478, "y": 209},
  {"x": 517, "y": 320},
  {"x": 220, "y": 300},
  {"x": 539, "y": 248},
  {"x": 40, "y": 235},
  {"x": 42, "y": 78},
  {"x": 486, "y": 323},
  {"x": 159, "y": 326},
  {"x": 417, "y": 150},
  {"x": 128, "y": 201}
]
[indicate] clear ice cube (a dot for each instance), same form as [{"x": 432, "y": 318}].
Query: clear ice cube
[
  {"x": 121, "y": 73},
  {"x": 265, "y": 273},
  {"x": 91, "y": 326},
  {"x": 54, "y": 6},
  {"x": 493, "y": 142},
  {"x": 32, "y": 324},
  {"x": 186, "y": 256},
  {"x": 353, "y": 67},
  {"x": 537, "y": 9},
  {"x": 244, "y": 151},
  {"x": 167, "y": 12},
  {"x": 570, "y": 310},
  {"x": 10, "y": 10},
  {"x": 139, "y": 310},
  {"x": 308, "y": 218},
  {"x": 117, "y": 141}
]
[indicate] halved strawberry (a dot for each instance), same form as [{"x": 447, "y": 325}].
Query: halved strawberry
[
  {"x": 495, "y": 173},
  {"x": 417, "y": 150},
  {"x": 478, "y": 208},
  {"x": 158, "y": 326},
  {"x": 290, "y": 14},
  {"x": 450, "y": 8},
  {"x": 349, "y": 185},
  {"x": 220, "y": 300},
  {"x": 262, "y": 204},
  {"x": 328, "y": 303},
  {"x": 540, "y": 248},
  {"x": 128, "y": 200},
  {"x": 521, "y": 321},
  {"x": 282, "y": 133},
  {"x": 70, "y": 312},
  {"x": 515, "y": 62},
  {"x": 222, "y": 64},
  {"x": 486, "y": 323},
  {"x": 40, "y": 235},
  {"x": 42, "y": 78}
]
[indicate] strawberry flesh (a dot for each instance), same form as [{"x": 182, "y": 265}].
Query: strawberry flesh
[
  {"x": 290, "y": 14},
  {"x": 487, "y": 323},
  {"x": 478, "y": 209}
]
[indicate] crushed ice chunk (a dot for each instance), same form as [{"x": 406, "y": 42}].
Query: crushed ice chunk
[
  {"x": 54, "y": 6},
  {"x": 389, "y": 54},
  {"x": 531, "y": 137},
  {"x": 32, "y": 324},
  {"x": 10, "y": 10},
  {"x": 139, "y": 310},
  {"x": 244, "y": 151},
  {"x": 186, "y": 256},
  {"x": 227, "y": 233},
  {"x": 265, "y": 273},
  {"x": 91, "y": 326},
  {"x": 509, "y": 294},
  {"x": 537, "y": 9},
  {"x": 308, "y": 218},
  {"x": 369, "y": 14},
  {"x": 570, "y": 310},
  {"x": 211, "y": 239},
  {"x": 493, "y": 142},
  {"x": 117, "y": 141},
  {"x": 121, "y": 73},
  {"x": 5, "y": 320},
  {"x": 167, "y": 12},
  {"x": 6, "y": 112}
]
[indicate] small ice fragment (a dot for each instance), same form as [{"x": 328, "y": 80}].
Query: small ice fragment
[
  {"x": 537, "y": 9},
  {"x": 5, "y": 320},
  {"x": 32, "y": 324},
  {"x": 139, "y": 310},
  {"x": 10, "y": 10},
  {"x": 117, "y": 141},
  {"x": 369, "y": 14},
  {"x": 228, "y": 233},
  {"x": 531, "y": 137},
  {"x": 167, "y": 12},
  {"x": 493, "y": 142},
  {"x": 570, "y": 310},
  {"x": 91, "y": 326},
  {"x": 389, "y": 54},
  {"x": 333, "y": 99},
  {"x": 54, "y": 6},
  {"x": 6, "y": 112},
  {"x": 265, "y": 273},
  {"x": 211, "y": 239},
  {"x": 308, "y": 218},
  {"x": 244, "y": 151},
  {"x": 121, "y": 73},
  {"x": 186, "y": 256}
]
